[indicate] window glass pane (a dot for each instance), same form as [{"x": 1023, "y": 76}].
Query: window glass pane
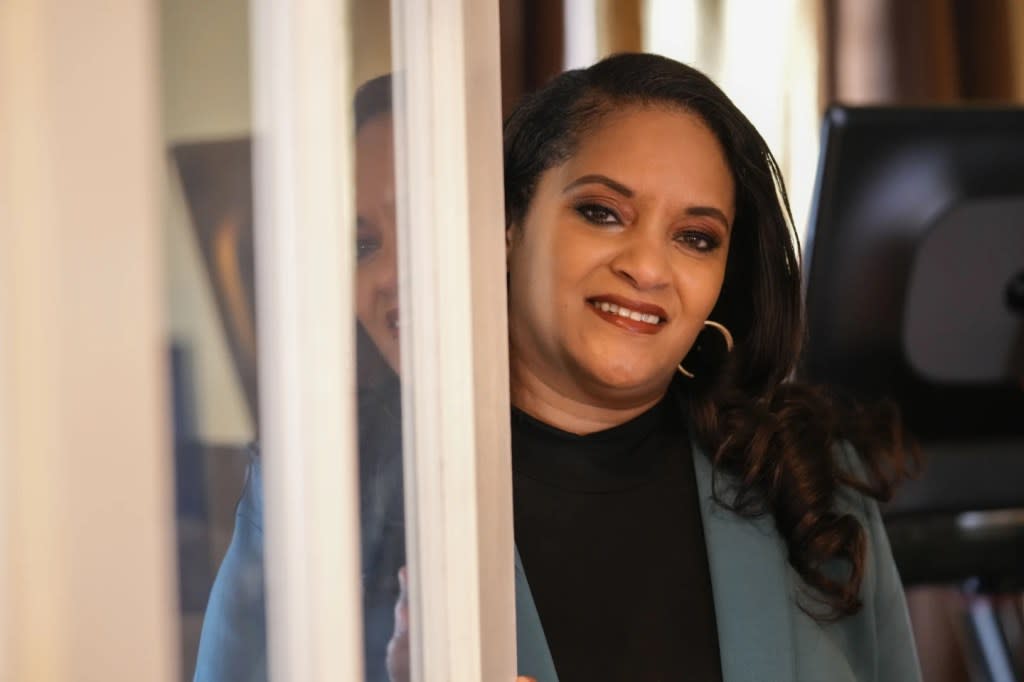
[
  {"x": 211, "y": 338},
  {"x": 378, "y": 321}
]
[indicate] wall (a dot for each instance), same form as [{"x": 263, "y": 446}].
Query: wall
[{"x": 205, "y": 87}]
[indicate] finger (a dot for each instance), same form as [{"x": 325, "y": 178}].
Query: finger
[
  {"x": 526, "y": 679},
  {"x": 402, "y": 605}
]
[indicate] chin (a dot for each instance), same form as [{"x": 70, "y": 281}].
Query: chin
[{"x": 629, "y": 378}]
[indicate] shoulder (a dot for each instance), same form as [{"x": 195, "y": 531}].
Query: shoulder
[
  {"x": 233, "y": 640},
  {"x": 250, "y": 503}
]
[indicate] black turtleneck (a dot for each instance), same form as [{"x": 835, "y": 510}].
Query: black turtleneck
[{"x": 609, "y": 531}]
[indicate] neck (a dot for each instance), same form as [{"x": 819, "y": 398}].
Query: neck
[{"x": 574, "y": 412}]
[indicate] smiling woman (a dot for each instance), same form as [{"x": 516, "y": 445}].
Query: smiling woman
[{"x": 682, "y": 511}]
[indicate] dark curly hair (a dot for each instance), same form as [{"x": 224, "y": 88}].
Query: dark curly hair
[{"x": 778, "y": 441}]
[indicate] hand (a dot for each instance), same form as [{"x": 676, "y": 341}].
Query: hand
[{"x": 398, "y": 647}]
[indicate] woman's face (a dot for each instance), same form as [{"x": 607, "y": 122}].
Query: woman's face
[
  {"x": 376, "y": 278},
  {"x": 621, "y": 257}
]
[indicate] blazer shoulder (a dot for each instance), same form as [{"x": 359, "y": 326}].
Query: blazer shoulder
[{"x": 232, "y": 644}]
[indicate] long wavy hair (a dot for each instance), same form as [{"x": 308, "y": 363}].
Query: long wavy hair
[{"x": 777, "y": 441}]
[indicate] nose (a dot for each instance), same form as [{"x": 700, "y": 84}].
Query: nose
[
  {"x": 385, "y": 281},
  {"x": 643, "y": 261}
]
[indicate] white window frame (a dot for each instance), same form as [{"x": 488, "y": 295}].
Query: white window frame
[
  {"x": 455, "y": 339},
  {"x": 303, "y": 196}
]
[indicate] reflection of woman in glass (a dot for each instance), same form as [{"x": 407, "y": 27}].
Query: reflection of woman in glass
[{"x": 233, "y": 644}]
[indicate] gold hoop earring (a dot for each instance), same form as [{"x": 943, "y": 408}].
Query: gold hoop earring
[{"x": 721, "y": 329}]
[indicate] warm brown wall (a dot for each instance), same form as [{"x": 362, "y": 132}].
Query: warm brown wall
[
  {"x": 532, "y": 46},
  {"x": 922, "y": 51},
  {"x": 619, "y": 26}
]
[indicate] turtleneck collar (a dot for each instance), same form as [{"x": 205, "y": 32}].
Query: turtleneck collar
[{"x": 625, "y": 456}]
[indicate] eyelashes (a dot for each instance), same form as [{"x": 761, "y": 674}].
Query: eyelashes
[
  {"x": 596, "y": 214},
  {"x": 366, "y": 247},
  {"x": 698, "y": 240},
  {"x": 702, "y": 241}
]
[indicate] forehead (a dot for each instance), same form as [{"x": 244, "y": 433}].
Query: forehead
[
  {"x": 375, "y": 155},
  {"x": 654, "y": 148},
  {"x": 376, "y": 134}
]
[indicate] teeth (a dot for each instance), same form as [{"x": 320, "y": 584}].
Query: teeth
[{"x": 626, "y": 312}]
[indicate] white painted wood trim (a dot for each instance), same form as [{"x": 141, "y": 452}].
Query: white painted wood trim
[
  {"x": 454, "y": 340},
  {"x": 304, "y": 258},
  {"x": 87, "y": 578}
]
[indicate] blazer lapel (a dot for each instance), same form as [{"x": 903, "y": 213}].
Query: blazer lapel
[
  {"x": 752, "y": 595},
  {"x": 533, "y": 657}
]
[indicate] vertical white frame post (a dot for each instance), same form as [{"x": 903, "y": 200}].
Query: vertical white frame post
[
  {"x": 87, "y": 578},
  {"x": 454, "y": 339},
  {"x": 304, "y": 258}
]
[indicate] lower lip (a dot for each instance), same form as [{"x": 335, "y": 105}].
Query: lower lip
[{"x": 627, "y": 323}]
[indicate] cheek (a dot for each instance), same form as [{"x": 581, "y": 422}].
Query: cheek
[
  {"x": 525, "y": 291},
  {"x": 699, "y": 289},
  {"x": 533, "y": 299},
  {"x": 711, "y": 288}
]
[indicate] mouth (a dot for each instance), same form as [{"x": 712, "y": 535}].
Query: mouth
[{"x": 635, "y": 316}]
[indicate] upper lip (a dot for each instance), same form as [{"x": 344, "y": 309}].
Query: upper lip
[{"x": 639, "y": 306}]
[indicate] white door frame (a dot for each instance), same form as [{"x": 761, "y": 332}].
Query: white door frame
[{"x": 87, "y": 577}]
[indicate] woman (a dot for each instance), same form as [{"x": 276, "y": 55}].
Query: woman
[
  {"x": 233, "y": 642},
  {"x": 681, "y": 510}
]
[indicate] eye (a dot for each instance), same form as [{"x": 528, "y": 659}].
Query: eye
[
  {"x": 597, "y": 214},
  {"x": 698, "y": 240},
  {"x": 366, "y": 246}
]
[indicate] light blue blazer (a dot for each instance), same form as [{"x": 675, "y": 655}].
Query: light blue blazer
[{"x": 763, "y": 634}]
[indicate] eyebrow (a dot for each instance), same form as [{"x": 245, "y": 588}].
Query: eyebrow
[
  {"x": 601, "y": 180},
  {"x": 709, "y": 212},
  {"x": 700, "y": 211}
]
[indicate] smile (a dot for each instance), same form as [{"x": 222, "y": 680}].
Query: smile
[
  {"x": 623, "y": 311},
  {"x": 638, "y": 317}
]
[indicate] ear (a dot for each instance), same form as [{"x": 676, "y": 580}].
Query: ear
[{"x": 511, "y": 235}]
